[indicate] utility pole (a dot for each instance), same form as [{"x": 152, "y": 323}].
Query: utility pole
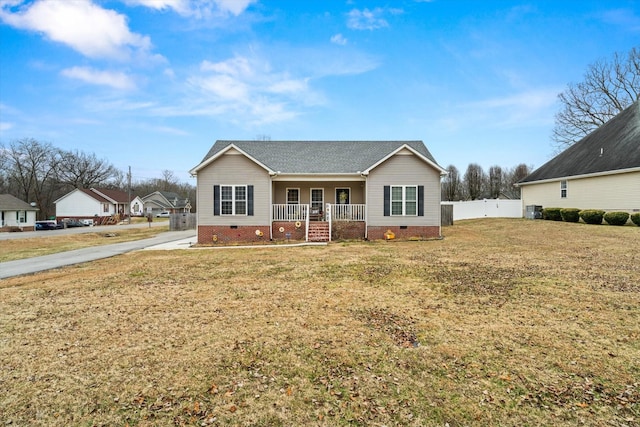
[{"x": 129, "y": 179}]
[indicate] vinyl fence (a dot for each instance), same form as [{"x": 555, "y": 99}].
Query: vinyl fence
[{"x": 486, "y": 208}]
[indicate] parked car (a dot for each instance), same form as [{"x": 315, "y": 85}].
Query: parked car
[
  {"x": 73, "y": 223},
  {"x": 164, "y": 214},
  {"x": 47, "y": 225}
]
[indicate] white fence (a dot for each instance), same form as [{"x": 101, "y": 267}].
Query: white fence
[
  {"x": 486, "y": 208},
  {"x": 290, "y": 212},
  {"x": 351, "y": 212}
]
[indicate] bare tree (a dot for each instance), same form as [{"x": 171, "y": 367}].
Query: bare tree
[
  {"x": 608, "y": 88},
  {"x": 474, "y": 178},
  {"x": 451, "y": 184},
  {"x": 495, "y": 182},
  {"x": 81, "y": 170},
  {"x": 512, "y": 177},
  {"x": 31, "y": 172}
]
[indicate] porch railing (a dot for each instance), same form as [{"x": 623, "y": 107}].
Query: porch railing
[
  {"x": 288, "y": 212},
  {"x": 351, "y": 212}
]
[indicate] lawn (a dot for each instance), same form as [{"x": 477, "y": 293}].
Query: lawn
[{"x": 504, "y": 322}]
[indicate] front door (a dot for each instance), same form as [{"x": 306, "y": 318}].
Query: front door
[
  {"x": 343, "y": 196},
  {"x": 317, "y": 203}
]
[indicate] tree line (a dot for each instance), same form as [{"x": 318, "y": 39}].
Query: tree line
[
  {"x": 475, "y": 183},
  {"x": 38, "y": 172}
]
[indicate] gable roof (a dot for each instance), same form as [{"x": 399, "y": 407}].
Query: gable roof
[
  {"x": 12, "y": 203},
  {"x": 102, "y": 195},
  {"x": 172, "y": 199},
  {"x": 614, "y": 146},
  {"x": 317, "y": 157}
]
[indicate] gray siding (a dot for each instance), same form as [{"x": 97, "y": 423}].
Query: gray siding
[
  {"x": 403, "y": 169},
  {"x": 233, "y": 169}
]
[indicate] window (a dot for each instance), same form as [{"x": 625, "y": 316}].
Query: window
[
  {"x": 105, "y": 207},
  {"x": 293, "y": 196},
  {"x": 404, "y": 200},
  {"x": 563, "y": 189},
  {"x": 23, "y": 217},
  {"x": 233, "y": 199}
]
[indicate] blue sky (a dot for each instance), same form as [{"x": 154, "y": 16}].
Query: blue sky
[{"x": 152, "y": 84}]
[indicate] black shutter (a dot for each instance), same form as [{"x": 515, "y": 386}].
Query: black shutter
[
  {"x": 216, "y": 200},
  {"x": 387, "y": 200},
  {"x": 250, "y": 200},
  {"x": 420, "y": 200}
]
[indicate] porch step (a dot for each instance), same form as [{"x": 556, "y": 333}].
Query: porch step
[{"x": 319, "y": 231}]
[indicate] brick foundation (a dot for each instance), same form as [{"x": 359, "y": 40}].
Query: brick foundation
[
  {"x": 289, "y": 227},
  {"x": 222, "y": 234},
  {"x": 347, "y": 230},
  {"x": 421, "y": 232}
]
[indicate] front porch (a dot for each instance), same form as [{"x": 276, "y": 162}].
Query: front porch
[{"x": 313, "y": 223}]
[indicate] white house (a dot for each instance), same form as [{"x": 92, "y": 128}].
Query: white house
[{"x": 15, "y": 213}]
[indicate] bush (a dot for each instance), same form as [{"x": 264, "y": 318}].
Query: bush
[
  {"x": 551, "y": 214},
  {"x": 570, "y": 214},
  {"x": 592, "y": 216},
  {"x": 635, "y": 218},
  {"x": 616, "y": 218}
]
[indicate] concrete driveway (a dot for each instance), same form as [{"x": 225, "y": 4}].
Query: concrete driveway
[{"x": 179, "y": 240}]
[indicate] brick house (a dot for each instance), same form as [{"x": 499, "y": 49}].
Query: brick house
[{"x": 317, "y": 191}]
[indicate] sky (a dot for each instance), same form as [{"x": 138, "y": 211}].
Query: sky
[{"x": 152, "y": 84}]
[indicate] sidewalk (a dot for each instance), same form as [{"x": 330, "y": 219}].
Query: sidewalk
[{"x": 167, "y": 240}]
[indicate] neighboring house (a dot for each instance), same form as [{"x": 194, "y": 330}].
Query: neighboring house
[
  {"x": 165, "y": 201},
  {"x": 16, "y": 214},
  {"x": 317, "y": 190},
  {"x": 137, "y": 206},
  {"x": 83, "y": 203},
  {"x": 601, "y": 171}
]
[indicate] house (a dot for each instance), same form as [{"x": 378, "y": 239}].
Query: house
[
  {"x": 317, "y": 190},
  {"x": 165, "y": 201},
  {"x": 92, "y": 203},
  {"x": 601, "y": 171},
  {"x": 16, "y": 214},
  {"x": 137, "y": 206}
]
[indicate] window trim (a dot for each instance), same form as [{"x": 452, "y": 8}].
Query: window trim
[
  {"x": 297, "y": 189},
  {"x": 234, "y": 200},
  {"x": 337, "y": 195},
  {"x": 403, "y": 200},
  {"x": 563, "y": 189}
]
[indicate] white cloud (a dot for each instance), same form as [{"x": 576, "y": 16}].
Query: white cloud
[
  {"x": 339, "y": 39},
  {"x": 85, "y": 27},
  {"x": 5, "y": 126},
  {"x": 196, "y": 8},
  {"x": 366, "y": 19},
  {"x": 116, "y": 80}
]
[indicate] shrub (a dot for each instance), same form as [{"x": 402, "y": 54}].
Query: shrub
[
  {"x": 570, "y": 214},
  {"x": 551, "y": 214},
  {"x": 616, "y": 218},
  {"x": 635, "y": 218},
  {"x": 592, "y": 216}
]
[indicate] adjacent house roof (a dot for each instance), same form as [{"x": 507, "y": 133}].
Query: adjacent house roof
[
  {"x": 169, "y": 199},
  {"x": 102, "y": 195},
  {"x": 318, "y": 157},
  {"x": 614, "y": 146},
  {"x": 11, "y": 203}
]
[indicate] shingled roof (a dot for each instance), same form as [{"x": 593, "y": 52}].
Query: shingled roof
[
  {"x": 613, "y": 146},
  {"x": 318, "y": 157},
  {"x": 12, "y": 203}
]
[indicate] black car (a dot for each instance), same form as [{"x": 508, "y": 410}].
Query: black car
[{"x": 73, "y": 223}]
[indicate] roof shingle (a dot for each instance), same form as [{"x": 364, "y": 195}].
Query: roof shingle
[
  {"x": 613, "y": 146},
  {"x": 321, "y": 157}
]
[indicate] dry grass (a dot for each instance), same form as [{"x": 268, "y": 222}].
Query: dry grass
[
  {"x": 45, "y": 245},
  {"x": 505, "y": 322}
]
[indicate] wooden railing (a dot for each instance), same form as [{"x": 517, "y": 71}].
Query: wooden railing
[{"x": 351, "y": 212}]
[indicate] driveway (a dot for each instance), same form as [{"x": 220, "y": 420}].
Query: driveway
[{"x": 181, "y": 239}]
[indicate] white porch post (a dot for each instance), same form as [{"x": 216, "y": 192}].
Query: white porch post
[{"x": 329, "y": 214}]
